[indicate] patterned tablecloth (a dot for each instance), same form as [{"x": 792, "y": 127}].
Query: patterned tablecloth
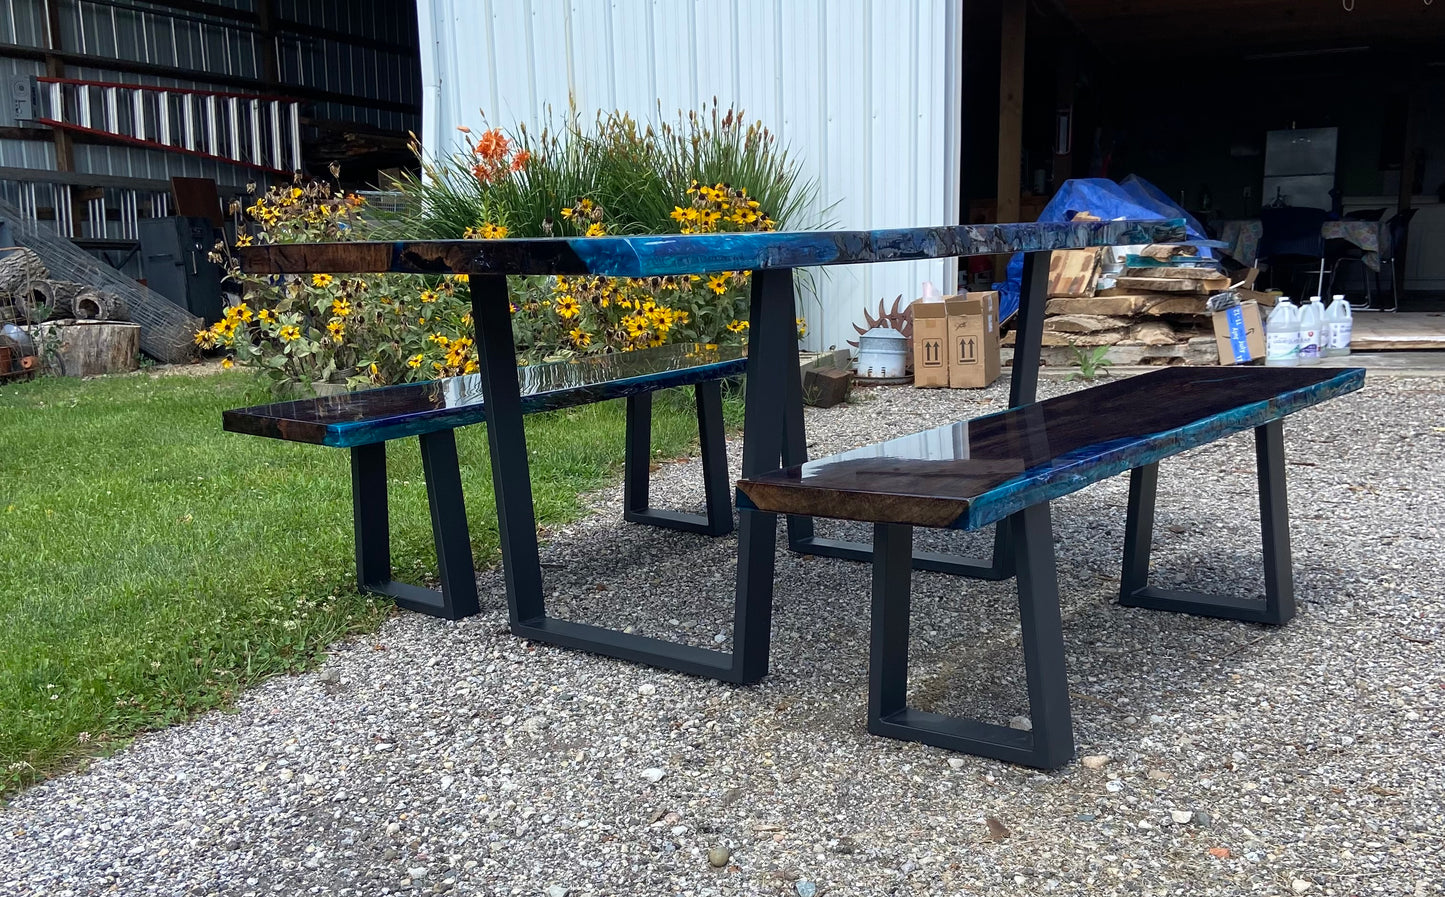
[{"x": 1243, "y": 235}]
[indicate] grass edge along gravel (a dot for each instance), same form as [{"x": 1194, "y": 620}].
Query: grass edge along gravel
[{"x": 153, "y": 566}]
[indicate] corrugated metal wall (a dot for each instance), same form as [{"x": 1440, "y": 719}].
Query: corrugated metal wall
[
  {"x": 865, "y": 92},
  {"x": 335, "y": 64},
  {"x": 215, "y": 45}
]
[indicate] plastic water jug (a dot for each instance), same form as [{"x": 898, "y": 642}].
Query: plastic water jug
[
  {"x": 1339, "y": 327},
  {"x": 1311, "y": 324},
  {"x": 1281, "y": 335}
]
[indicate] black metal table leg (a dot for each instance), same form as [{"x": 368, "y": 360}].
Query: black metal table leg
[
  {"x": 1278, "y": 604},
  {"x": 1050, "y": 743},
  {"x": 1023, "y": 390},
  {"x": 507, "y": 439},
  {"x": 772, "y": 326},
  {"x": 1028, "y": 345},
  {"x": 772, "y": 358},
  {"x": 717, "y": 520},
  {"x": 795, "y": 450},
  {"x": 458, "y": 595}
]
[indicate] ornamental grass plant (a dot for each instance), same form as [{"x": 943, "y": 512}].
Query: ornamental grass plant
[
  {"x": 638, "y": 174},
  {"x": 709, "y": 172}
]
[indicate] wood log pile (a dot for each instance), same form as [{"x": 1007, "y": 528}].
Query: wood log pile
[
  {"x": 1146, "y": 303},
  {"x": 30, "y": 295}
]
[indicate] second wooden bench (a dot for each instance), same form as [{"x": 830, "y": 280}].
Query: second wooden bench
[
  {"x": 1005, "y": 468},
  {"x": 366, "y": 420}
]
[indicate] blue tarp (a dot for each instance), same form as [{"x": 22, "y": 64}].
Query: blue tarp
[{"x": 1133, "y": 197}]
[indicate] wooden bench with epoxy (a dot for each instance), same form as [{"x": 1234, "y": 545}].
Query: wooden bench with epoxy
[{"x": 1006, "y": 468}]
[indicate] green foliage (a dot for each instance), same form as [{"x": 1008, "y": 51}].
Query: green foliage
[
  {"x": 373, "y": 329},
  {"x": 190, "y": 563},
  {"x": 1091, "y": 361},
  {"x": 708, "y": 173},
  {"x": 523, "y": 181}
]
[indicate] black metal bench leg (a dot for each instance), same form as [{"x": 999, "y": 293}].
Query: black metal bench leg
[
  {"x": 370, "y": 516},
  {"x": 713, "y": 441},
  {"x": 458, "y": 595},
  {"x": 449, "y": 529},
  {"x": 516, "y": 521},
  {"x": 1050, "y": 743},
  {"x": 718, "y": 519},
  {"x": 1278, "y": 604}
]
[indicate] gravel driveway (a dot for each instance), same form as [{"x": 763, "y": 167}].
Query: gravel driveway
[{"x": 1223, "y": 758}]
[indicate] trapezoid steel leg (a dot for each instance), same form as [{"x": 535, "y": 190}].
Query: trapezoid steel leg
[
  {"x": 370, "y": 516},
  {"x": 443, "y": 474},
  {"x": 457, "y": 597},
  {"x": 1278, "y": 604},
  {"x": 1050, "y": 743},
  {"x": 717, "y": 520},
  {"x": 511, "y": 480}
]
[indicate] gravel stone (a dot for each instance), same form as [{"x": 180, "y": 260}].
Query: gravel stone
[
  {"x": 1314, "y": 745},
  {"x": 718, "y": 856}
]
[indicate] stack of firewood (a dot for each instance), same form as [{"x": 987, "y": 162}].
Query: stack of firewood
[
  {"x": 1146, "y": 303},
  {"x": 29, "y": 295}
]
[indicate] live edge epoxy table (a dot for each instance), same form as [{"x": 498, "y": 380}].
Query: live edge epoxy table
[{"x": 773, "y": 434}]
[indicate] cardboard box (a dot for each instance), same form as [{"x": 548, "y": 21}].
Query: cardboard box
[
  {"x": 973, "y": 356},
  {"x": 1239, "y": 332},
  {"x": 930, "y": 344},
  {"x": 1266, "y": 300}
]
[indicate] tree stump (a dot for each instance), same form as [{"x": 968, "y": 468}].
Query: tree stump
[{"x": 89, "y": 348}]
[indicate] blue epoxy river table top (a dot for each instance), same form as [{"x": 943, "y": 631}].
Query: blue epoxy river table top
[{"x": 661, "y": 255}]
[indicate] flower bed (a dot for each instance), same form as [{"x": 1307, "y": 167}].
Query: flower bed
[{"x": 707, "y": 174}]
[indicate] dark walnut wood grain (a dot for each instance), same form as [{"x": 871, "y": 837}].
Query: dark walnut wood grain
[{"x": 969, "y": 474}]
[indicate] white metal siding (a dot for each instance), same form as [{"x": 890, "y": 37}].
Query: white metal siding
[{"x": 865, "y": 92}]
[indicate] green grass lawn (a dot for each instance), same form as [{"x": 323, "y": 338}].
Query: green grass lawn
[{"x": 151, "y": 565}]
